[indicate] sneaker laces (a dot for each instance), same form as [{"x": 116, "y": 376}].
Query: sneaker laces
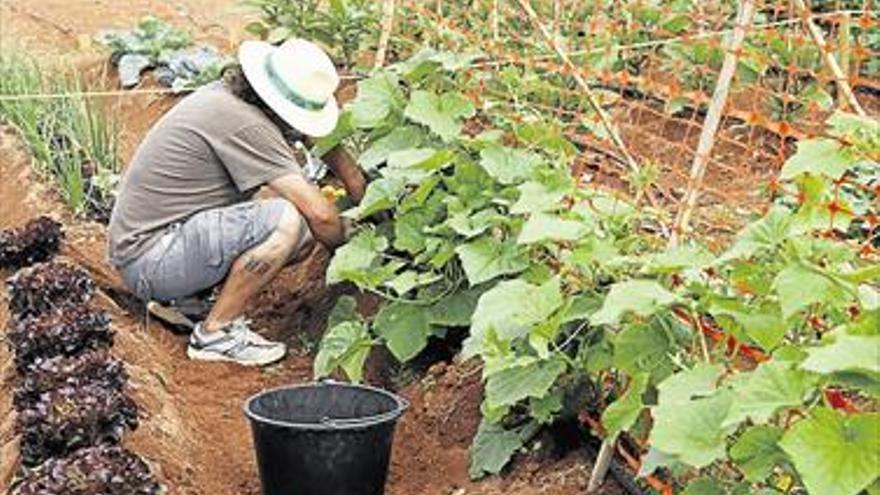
[{"x": 241, "y": 328}]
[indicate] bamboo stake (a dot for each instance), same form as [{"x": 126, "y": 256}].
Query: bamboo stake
[
  {"x": 828, "y": 56},
  {"x": 844, "y": 34},
  {"x": 385, "y": 37},
  {"x": 713, "y": 119},
  {"x": 496, "y": 35},
  {"x": 600, "y": 469},
  {"x": 582, "y": 83}
]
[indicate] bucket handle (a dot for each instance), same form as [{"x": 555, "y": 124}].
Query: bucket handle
[{"x": 402, "y": 405}]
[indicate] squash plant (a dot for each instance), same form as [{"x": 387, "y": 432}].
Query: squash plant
[{"x": 752, "y": 370}]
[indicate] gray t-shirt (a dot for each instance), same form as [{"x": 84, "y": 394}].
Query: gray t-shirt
[{"x": 211, "y": 150}]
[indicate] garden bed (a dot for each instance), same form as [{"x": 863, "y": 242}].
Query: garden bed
[{"x": 192, "y": 430}]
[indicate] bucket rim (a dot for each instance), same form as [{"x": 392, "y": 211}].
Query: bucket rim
[{"x": 329, "y": 424}]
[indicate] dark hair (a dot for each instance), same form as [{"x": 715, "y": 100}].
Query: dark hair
[{"x": 236, "y": 82}]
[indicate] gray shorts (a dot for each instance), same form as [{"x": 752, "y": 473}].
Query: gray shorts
[{"x": 197, "y": 254}]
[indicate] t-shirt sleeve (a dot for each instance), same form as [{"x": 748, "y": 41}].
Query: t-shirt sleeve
[{"x": 254, "y": 155}]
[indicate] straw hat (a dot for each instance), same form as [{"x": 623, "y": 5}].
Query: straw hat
[{"x": 296, "y": 80}]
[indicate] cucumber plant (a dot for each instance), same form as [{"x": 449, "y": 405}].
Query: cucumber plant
[{"x": 485, "y": 233}]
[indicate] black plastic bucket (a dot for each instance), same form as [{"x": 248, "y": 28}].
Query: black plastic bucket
[{"x": 326, "y": 438}]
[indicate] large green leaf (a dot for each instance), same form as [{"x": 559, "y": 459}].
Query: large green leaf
[
  {"x": 756, "y": 452},
  {"x": 486, "y": 258},
  {"x": 799, "y": 287},
  {"x": 471, "y": 225},
  {"x": 492, "y": 448},
  {"x": 843, "y": 123},
  {"x": 538, "y": 197},
  {"x": 405, "y": 328},
  {"x": 704, "y": 486},
  {"x": 381, "y": 194},
  {"x": 641, "y": 297},
  {"x": 511, "y": 385},
  {"x": 441, "y": 114},
  {"x": 692, "y": 431},
  {"x": 511, "y": 308},
  {"x": 772, "y": 386},
  {"x": 344, "y": 310},
  {"x": 644, "y": 348},
  {"x": 456, "y": 309},
  {"x": 345, "y": 346},
  {"x": 764, "y": 234},
  {"x": 833, "y": 453},
  {"x": 377, "y": 97},
  {"x": 593, "y": 251},
  {"x": 415, "y": 165},
  {"x": 761, "y": 323},
  {"x": 351, "y": 261},
  {"x": 679, "y": 258},
  {"x": 471, "y": 185},
  {"x": 542, "y": 227},
  {"x": 846, "y": 353},
  {"x": 400, "y": 139},
  {"x": 411, "y": 225},
  {"x": 818, "y": 156},
  {"x": 428, "y": 60},
  {"x": 408, "y": 280},
  {"x": 508, "y": 165},
  {"x": 622, "y": 414},
  {"x": 685, "y": 386}
]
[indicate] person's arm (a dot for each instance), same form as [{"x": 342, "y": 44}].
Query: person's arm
[
  {"x": 346, "y": 169},
  {"x": 321, "y": 215}
]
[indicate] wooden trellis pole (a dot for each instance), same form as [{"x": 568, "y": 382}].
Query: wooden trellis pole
[
  {"x": 582, "y": 83},
  {"x": 494, "y": 21},
  {"x": 828, "y": 56},
  {"x": 388, "y": 8},
  {"x": 713, "y": 119}
]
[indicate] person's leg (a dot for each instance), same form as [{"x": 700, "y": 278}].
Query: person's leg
[{"x": 255, "y": 268}]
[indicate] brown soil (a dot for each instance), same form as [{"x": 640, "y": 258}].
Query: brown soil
[{"x": 192, "y": 430}]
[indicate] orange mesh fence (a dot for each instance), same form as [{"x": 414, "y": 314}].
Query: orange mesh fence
[{"x": 654, "y": 67}]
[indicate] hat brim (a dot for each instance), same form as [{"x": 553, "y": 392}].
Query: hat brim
[{"x": 252, "y": 56}]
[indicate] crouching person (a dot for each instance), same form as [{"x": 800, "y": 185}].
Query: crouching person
[{"x": 186, "y": 218}]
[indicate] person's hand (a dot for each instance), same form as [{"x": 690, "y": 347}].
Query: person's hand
[{"x": 357, "y": 186}]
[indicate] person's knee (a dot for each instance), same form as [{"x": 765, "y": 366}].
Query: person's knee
[{"x": 291, "y": 223}]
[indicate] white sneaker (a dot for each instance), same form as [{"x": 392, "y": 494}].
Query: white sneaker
[{"x": 234, "y": 343}]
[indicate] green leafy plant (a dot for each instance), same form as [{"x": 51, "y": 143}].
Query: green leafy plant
[
  {"x": 152, "y": 38},
  {"x": 340, "y": 25},
  {"x": 488, "y": 235},
  {"x": 72, "y": 138}
]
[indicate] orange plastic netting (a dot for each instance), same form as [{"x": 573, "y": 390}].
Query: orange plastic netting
[{"x": 654, "y": 66}]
